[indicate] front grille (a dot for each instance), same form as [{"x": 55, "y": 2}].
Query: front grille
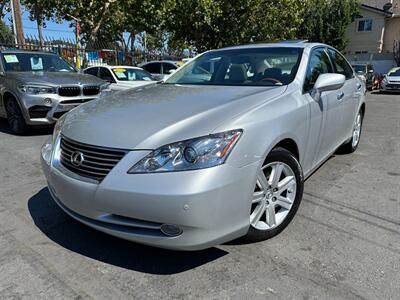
[
  {"x": 69, "y": 91},
  {"x": 97, "y": 161},
  {"x": 76, "y": 101},
  {"x": 91, "y": 90},
  {"x": 393, "y": 85}
]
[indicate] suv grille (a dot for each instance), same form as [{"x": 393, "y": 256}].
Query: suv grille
[
  {"x": 91, "y": 90},
  {"x": 69, "y": 91},
  {"x": 93, "y": 161}
]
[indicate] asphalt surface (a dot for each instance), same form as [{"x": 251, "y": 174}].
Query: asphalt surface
[{"x": 344, "y": 242}]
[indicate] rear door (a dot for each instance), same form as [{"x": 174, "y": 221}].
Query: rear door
[{"x": 352, "y": 93}]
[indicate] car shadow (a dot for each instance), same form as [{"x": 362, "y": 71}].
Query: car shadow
[
  {"x": 74, "y": 236},
  {"x": 32, "y": 131}
]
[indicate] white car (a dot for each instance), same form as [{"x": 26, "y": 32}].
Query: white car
[
  {"x": 391, "y": 81},
  {"x": 121, "y": 77}
]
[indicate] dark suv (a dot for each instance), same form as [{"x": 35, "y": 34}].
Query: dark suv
[
  {"x": 366, "y": 73},
  {"x": 36, "y": 88}
]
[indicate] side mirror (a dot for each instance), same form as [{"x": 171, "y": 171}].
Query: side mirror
[
  {"x": 371, "y": 71},
  {"x": 171, "y": 71},
  {"x": 2, "y": 73},
  {"x": 329, "y": 82}
]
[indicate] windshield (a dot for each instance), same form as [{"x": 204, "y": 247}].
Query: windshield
[
  {"x": 394, "y": 72},
  {"x": 359, "y": 68},
  {"x": 241, "y": 67},
  {"x": 129, "y": 74},
  {"x": 28, "y": 62}
]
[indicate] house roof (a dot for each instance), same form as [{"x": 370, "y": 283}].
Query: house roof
[{"x": 376, "y": 10}]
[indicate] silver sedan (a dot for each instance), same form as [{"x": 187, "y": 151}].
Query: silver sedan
[{"x": 220, "y": 150}]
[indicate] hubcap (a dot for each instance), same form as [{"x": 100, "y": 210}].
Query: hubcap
[
  {"x": 357, "y": 130},
  {"x": 273, "y": 196}
]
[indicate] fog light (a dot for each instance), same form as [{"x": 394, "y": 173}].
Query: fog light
[
  {"x": 48, "y": 101},
  {"x": 171, "y": 230}
]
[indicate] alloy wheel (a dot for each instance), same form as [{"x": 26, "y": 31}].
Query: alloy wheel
[
  {"x": 273, "y": 196},
  {"x": 357, "y": 130}
]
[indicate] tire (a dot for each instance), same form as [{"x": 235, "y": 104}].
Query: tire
[
  {"x": 278, "y": 213},
  {"x": 352, "y": 145},
  {"x": 15, "y": 118}
]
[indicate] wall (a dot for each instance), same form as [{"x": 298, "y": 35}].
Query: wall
[
  {"x": 370, "y": 41},
  {"x": 392, "y": 33}
]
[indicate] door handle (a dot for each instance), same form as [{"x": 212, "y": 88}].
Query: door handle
[
  {"x": 359, "y": 86},
  {"x": 340, "y": 96}
]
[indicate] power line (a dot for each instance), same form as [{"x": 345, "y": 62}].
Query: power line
[{"x": 47, "y": 29}]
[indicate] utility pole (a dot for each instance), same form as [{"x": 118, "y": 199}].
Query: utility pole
[{"x": 17, "y": 22}]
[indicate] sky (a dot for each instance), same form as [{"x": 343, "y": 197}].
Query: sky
[{"x": 52, "y": 30}]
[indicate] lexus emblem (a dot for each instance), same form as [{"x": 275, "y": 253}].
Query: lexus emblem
[{"x": 77, "y": 158}]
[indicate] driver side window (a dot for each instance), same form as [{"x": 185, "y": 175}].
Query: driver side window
[{"x": 318, "y": 64}]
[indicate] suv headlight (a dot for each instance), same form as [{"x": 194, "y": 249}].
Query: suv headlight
[
  {"x": 37, "y": 89},
  {"x": 193, "y": 154},
  {"x": 105, "y": 88}
]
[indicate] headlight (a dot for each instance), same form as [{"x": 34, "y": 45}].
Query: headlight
[
  {"x": 37, "y": 89},
  {"x": 57, "y": 129},
  {"x": 194, "y": 154},
  {"x": 48, "y": 147},
  {"x": 105, "y": 88}
]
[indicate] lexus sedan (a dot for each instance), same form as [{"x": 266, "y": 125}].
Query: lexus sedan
[{"x": 220, "y": 150}]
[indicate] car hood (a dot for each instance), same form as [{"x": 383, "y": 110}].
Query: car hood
[
  {"x": 54, "y": 78},
  {"x": 152, "y": 116}
]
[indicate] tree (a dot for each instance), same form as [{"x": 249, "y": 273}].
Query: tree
[
  {"x": 326, "y": 21},
  {"x": 99, "y": 19},
  {"x": 6, "y": 37},
  {"x": 206, "y": 24}
]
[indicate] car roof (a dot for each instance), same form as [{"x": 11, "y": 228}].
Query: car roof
[
  {"x": 159, "y": 61},
  {"x": 116, "y": 67},
  {"x": 285, "y": 44},
  {"x": 11, "y": 51}
]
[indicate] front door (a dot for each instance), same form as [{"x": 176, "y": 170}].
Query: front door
[{"x": 326, "y": 110}]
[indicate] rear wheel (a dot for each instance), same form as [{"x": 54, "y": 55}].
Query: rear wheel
[
  {"x": 15, "y": 117},
  {"x": 277, "y": 195}
]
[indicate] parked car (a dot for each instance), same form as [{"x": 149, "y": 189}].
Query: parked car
[
  {"x": 391, "y": 81},
  {"x": 159, "y": 69},
  {"x": 37, "y": 88},
  {"x": 366, "y": 72},
  {"x": 121, "y": 77},
  {"x": 218, "y": 151}
]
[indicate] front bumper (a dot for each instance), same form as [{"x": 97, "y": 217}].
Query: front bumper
[
  {"x": 210, "y": 206},
  {"x": 38, "y": 110},
  {"x": 390, "y": 87}
]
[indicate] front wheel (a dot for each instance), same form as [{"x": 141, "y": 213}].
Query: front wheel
[
  {"x": 277, "y": 195},
  {"x": 15, "y": 117},
  {"x": 352, "y": 144}
]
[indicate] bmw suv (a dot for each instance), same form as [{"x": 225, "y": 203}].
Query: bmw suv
[{"x": 37, "y": 88}]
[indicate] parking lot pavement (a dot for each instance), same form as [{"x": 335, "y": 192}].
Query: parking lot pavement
[{"x": 344, "y": 242}]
